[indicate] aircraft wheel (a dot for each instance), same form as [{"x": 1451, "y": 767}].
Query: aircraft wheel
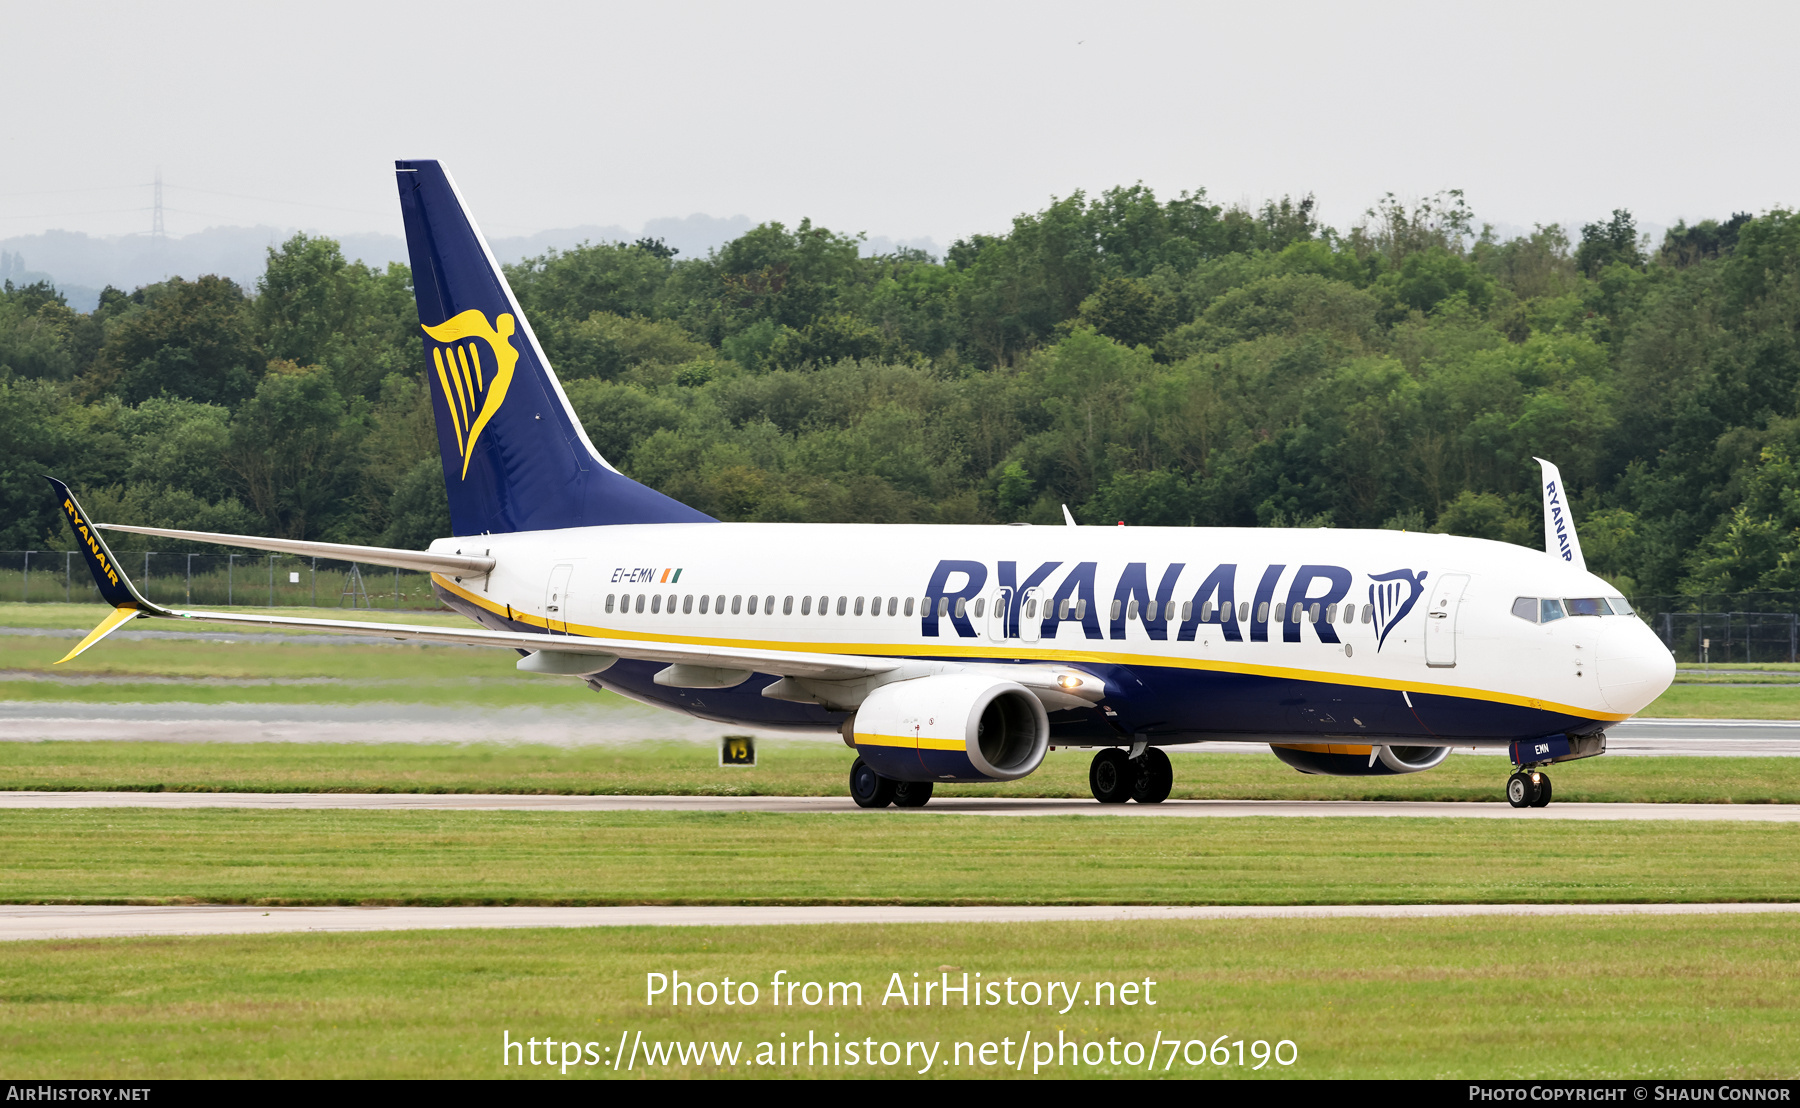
[
  {"x": 1543, "y": 797},
  {"x": 1155, "y": 777},
  {"x": 868, "y": 788},
  {"x": 1521, "y": 790},
  {"x": 1111, "y": 776},
  {"x": 911, "y": 794}
]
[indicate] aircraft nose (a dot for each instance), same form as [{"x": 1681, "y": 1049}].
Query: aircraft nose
[{"x": 1634, "y": 666}]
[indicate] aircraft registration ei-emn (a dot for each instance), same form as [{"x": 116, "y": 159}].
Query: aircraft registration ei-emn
[{"x": 965, "y": 653}]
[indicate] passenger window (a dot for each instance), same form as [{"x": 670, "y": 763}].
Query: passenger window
[
  {"x": 1312, "y": 613},
  {"x": 1062, "y": 610},
  {"x": 1262, "y": 612},
  {"x": 751, "y": 607},
  {"x": 719, "y": 605},
  {"x": 609, "y": 603},
  {"x": 1526, "y": 608},
  {"x": 909, "y": 601},
  {"x": 893, "y": 605},
  {"x": 1551, "y": 610},
  {"x": 787, "y": 606},
  {"x": 1243, "y": 611},
  {"x": 943, "y": 607},
  {"x": 859, "y": 605},
  {"x": 687, "y": 604},
  {"x": 737, "y": 604},
  {"x": 980, "y": 606},
  {"x": 1115, "y": 610},
  {"x": 640, "y": 604},
  {"x": 824, "y": 605},
  {"x": 1591, "y": 606},
  {"x": 1081, "y": 609},
  {"x": 1330, "y": 613},
  {"x": 806, "y": 605},
  {"x": 962, "y": 607},
  {"x": 704, "y": 605},
  {"x": 1031, "y": 608},
  {"x": 656, "y": 604},
  {"x": 1187, "y": 611},
  {"x": 1131, "y": 609},
  {"x": 768, "y": 605},
  {"x": 1368, "y": 613}
]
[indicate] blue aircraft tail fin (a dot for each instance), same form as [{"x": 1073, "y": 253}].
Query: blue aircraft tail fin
[{"x": 515, "y": 457}]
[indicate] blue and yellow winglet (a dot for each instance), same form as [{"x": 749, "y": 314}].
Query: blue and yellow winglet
[{"x": 115, "y": 588}]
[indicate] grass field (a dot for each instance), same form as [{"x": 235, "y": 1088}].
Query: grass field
[
  {"x": 1619, "y": 997},
  {"x": 817, "y": 769},
  {"x": 244, "y": 856}
]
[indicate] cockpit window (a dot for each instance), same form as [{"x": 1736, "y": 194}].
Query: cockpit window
[
  {"x": 1526, "y": 608},
  {"x": 1550, "y": 610},
  {"x": 1620, "y": 606},
  {"x": 1589, "y": 606}
]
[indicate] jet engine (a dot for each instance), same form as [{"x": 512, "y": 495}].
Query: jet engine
[
  {"x": 951, "y": 727},
  {"x": 1352, "y": 760}
]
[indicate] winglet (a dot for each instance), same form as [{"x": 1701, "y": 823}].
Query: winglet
[
  {"x": 114, "y": 620},
  {"x": 115, "y": 588},
  {"x": 1559, "y": 523}
]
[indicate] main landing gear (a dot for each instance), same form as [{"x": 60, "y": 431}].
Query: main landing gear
[
  {"x": 871, "y": 790},
  {"x": 1116, "y": 776},
  {"x": 1528, "y": 788}
]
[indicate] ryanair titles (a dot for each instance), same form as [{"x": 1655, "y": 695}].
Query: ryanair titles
[{"x": 1240, "y": 601}]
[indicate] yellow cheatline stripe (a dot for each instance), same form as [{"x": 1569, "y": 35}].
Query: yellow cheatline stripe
[
  {"x": 107, "y": 625},
  {"x": 1327, "y": 748},
  {"x": 908, "y": 743},
  {"x": 1044, "y": 654},
  {"x": 437, "y": 355}
]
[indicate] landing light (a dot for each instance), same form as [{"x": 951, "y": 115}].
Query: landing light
[{"x": 1068, "y": 681}]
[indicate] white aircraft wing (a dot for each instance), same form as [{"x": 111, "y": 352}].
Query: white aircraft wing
[{"x": 786, "y": 663}]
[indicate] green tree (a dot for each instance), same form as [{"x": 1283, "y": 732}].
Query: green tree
[{"x": 187, "y": 339}]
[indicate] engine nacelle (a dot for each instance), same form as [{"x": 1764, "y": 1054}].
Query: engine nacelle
[
  {"x": 1351, "y": 760},
  {"x": 952, "y": 727}
]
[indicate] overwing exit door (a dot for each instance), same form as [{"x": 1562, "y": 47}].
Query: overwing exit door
[
  {"x": 556, "y": 599},
  {"x": 1031, "y": 621},
  {"x": 1440, "y": 620}
]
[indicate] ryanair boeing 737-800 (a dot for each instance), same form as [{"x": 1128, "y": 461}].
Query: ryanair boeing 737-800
[{"x": 964, "y": 653}]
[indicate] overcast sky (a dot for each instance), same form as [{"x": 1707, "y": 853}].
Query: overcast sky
[{"x": 903, "y": 120}]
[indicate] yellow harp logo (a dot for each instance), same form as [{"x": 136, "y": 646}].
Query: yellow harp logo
[{"x": 473, "y": 387}]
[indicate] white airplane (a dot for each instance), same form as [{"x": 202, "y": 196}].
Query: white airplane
[{"x": 965, "y": 653}]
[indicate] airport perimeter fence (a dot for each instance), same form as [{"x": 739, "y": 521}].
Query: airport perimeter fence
[
  {"x": 1746, "y": 627},
  {"x": 214, "y": 580}
]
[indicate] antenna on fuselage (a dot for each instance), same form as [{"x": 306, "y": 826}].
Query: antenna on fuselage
[
  {"x": 1559, "y": 523},
  {"x": 1067, "y": 518}
]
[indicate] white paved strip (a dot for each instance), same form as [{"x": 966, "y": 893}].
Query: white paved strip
[
  {"x": 950, "y": 805},
  {"x": 25, "y": 921}
]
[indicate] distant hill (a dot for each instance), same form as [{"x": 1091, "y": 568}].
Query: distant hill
[{"x": 80, "y": 265}]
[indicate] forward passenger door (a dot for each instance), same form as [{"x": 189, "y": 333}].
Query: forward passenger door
[{"x": 1440, "y": 620}]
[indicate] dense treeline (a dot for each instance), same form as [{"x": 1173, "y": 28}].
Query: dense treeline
[{"x": 1157, "y": 362}]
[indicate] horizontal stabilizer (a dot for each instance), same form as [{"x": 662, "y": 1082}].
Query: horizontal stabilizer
[{"x": 456, "y": 565}]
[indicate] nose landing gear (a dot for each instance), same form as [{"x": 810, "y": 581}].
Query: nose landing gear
[{"x": 1528, "y": 788}]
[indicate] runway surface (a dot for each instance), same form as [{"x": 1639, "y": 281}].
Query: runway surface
[
  {"x": 24, "y": 921},
  {"x": 824, "y": 805},
  {"x": 602, "y": 724}
]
